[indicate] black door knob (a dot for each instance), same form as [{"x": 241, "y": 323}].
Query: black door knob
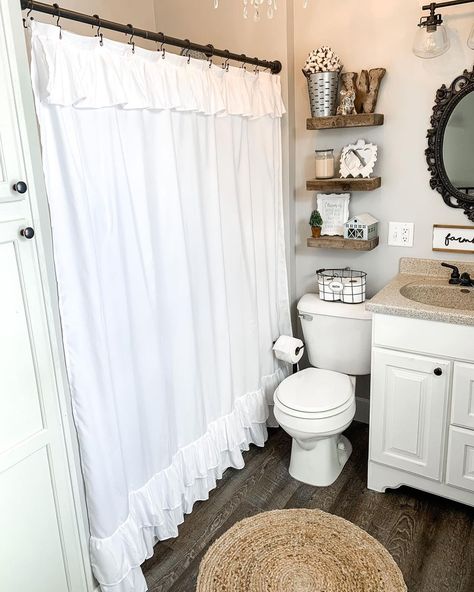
[
  {"x": 27, "y": 232},
  {"x": 20, "y": 187},
  {"x": 438, "y": 371}
]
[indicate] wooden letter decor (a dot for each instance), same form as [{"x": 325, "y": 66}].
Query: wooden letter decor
[
  {"x": 455, "y": 239},
  {"x": 366, "y": 86}
]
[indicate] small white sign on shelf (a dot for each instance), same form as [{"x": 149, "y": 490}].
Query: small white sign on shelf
[
  {"x": 358, "y": 160},
  {"x": 334, "y": 210},
  {"x": 457, "y": 239}
]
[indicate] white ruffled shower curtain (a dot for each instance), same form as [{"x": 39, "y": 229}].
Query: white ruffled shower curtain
[{"x": 164, "y": 181}]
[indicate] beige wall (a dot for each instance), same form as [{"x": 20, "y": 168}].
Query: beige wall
[{"x": 371, "y": 34}]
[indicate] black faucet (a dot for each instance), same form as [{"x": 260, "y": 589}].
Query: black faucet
[
  {"x": 455, "y": 277},
  {"x": 463, "y": 279}
]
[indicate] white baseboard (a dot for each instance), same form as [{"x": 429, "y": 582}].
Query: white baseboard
[{"x": 362, "y": 410}]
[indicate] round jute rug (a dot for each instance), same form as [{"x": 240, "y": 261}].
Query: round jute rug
[{"x": 298, "y": 551}]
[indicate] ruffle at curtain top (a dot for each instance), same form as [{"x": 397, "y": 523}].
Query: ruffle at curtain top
[{"x": 79, "y": 71}]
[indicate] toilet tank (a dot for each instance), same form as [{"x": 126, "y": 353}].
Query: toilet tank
[{"x": 337, "y": 335}]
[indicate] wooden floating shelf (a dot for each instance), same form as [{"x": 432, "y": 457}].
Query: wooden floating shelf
[
  {"x": 338, "y": 242},
  {"x": 337, "y": 184},
  {"x": 341, "y": 121}
]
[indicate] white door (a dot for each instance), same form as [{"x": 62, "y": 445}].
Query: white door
[
  {"x": 40, "y": 545},
  {"x": 409, "y": 399}
]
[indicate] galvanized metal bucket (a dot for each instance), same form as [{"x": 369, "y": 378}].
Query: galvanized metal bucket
[{"x": 323, "y": 87}]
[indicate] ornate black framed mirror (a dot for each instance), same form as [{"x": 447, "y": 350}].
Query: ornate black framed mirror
[{"x": 450, "y": 152}]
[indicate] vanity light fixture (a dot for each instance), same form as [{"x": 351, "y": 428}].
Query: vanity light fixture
[
  {"x": 431, "y": 38},
  {"x": 259, "y": 6}
]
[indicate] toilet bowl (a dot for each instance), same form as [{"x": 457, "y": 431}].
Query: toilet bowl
[{"x": 314, "y": 407}]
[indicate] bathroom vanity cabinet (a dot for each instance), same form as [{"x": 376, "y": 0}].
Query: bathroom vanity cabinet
[{"x": 422, "y": 407}]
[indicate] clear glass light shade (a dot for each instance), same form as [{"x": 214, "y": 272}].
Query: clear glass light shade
[
  {"x": 470, "y": 41},
  {"x": 431, "y": 42}
]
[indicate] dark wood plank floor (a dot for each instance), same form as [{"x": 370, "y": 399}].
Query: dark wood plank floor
[{"x": 431, "y": 539}]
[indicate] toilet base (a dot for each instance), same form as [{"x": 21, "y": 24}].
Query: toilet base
[{"x": 321, "y": 465}]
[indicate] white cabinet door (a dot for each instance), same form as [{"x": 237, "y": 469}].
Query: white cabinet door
[
  {"x": 39, "y": 545},
  {"x": 460, "y": 465},
  {"x": 462, "y": 413},
  {"x": 409, "y": 398}
]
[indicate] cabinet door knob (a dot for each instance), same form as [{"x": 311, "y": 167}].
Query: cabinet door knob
[
  {"x": 27, "y": 232},
  {"x": 20, "y": 187},
  {"x": 438, "y": 371}
]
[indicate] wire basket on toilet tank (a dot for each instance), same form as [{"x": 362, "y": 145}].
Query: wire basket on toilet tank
[{"x": 346, "y": 285}]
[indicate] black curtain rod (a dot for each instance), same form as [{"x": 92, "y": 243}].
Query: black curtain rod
[
  {"x": 96, "y": 21},
  {"x": 436, "y": 5}
]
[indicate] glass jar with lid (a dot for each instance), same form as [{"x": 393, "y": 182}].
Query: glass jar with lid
[{"x": 325, "y": 163}]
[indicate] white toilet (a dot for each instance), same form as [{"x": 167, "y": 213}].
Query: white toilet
[{"x": 316, "y": 405}]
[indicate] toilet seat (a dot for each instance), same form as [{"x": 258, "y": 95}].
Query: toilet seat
[{"x": 315, "y": 394}]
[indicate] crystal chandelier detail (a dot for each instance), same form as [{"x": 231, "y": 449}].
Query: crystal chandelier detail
[{"x": 258, "y": 7}]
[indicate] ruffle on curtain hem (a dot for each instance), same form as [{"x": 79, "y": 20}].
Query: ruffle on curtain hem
[
  {"x": 77, "y": 71},
  {"x": 159, "y": 507}
]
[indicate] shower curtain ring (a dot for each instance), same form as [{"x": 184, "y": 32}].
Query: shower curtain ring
[
  {"x": 98, "y": 32},
  {"x": 58, "y": 11},
  {"x": 162, "y": 46},
  {"x": 244, "y": 65},
  {"x": 132, "y": 36},
  {"x": 256, "y": 70},
  {"x": 225, "y": 65},
  {"x": 211, "y": 49},
  {"x": 188, "y": 50},
  {"x": 25, "y": 20}
]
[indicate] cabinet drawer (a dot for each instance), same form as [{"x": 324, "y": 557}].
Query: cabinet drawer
[
  {"x": 460, "y": 470},
  {"x": 462, "y": 413}
]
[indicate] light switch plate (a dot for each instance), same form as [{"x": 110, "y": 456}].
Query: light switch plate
[{"x": 400, "y": 234}]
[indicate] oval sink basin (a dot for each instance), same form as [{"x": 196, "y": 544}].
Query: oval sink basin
[{"x": 456, "y": 297}]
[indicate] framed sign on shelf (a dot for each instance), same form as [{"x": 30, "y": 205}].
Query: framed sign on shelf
[
  {"x": 334, "y": 210},
  {"x": 454, "y": 239}
]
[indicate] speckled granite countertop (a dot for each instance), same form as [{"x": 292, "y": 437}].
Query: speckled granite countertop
[{"x": 425, "y": 280}]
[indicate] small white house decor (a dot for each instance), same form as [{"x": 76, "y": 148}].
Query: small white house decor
[{"x": 361, "y": 227}]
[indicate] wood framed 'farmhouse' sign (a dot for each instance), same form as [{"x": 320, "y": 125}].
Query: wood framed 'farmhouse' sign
[{"x": 456, "y": 239}]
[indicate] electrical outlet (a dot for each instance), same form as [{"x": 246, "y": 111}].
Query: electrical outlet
[{"x": 400, "y": 234}]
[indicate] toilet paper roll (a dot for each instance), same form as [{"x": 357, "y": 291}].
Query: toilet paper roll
[{"x": 286, "y": 349}]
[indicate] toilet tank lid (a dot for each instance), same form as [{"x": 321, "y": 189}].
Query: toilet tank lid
[{"x": 312, "y": 304}]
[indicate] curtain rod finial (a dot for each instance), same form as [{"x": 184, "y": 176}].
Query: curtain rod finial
[{"x": 276, "y": 67}]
